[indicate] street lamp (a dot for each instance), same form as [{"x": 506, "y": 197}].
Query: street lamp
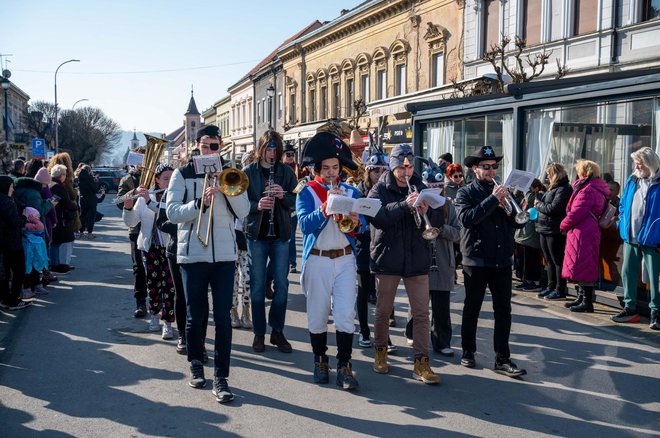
[
  {"x": 56, "y": 70},
  {"x": 270, "y": 92},
  {"x": 78, "y": 101},
  {"x": 5, "y": 86}
]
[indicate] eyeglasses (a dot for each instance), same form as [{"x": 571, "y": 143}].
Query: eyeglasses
[
  {"x": 402, "y": 157},
  {"x": 290, "y": 154},
  {"x": 457, "y": 175},
  {"x": 488, "y": 166}
]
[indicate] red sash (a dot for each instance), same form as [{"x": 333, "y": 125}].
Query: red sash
[{"x": 317, "y": 185}]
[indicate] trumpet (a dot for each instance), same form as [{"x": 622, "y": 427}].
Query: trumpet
[
  {"x": 510, "y": 205},
  {"x": 230, "y": 182},
  {"x": 430, "y": 232},
  {"x": 345, "y": 223}
]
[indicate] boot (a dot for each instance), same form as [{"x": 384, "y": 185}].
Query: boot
[
  {"x": 587, "y": 303},
  {"x": 422, "y": 371},
  {"x": 246, "y": 322},
  {"x": 380, "y": 361},
  {"x": 235, "y": 321},
  {"x": 578, "y": 300}
]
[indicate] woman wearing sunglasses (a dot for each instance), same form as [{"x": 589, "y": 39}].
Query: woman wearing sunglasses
[{"x": 455, "y": 180}]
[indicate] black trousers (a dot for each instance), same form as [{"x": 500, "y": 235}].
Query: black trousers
[
  {"x": 87, "y": 217},
  {"x": 11, "y": 284},
  {"x": 531, "y": 263},
  {"x": 139, "y": 276},
  {"x": 179, "y": 298},
  {"x": 498, "y": 280},
  {"x": 553, "y": 246},
  {"x": 441, "y": 330},
  {"x": 366, "y": 283}
]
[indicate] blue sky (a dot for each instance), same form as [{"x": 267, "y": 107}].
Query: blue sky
[{"x": 139, "y": 58}]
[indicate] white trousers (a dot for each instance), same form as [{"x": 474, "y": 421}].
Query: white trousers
[{"x": 330, "y": 282}]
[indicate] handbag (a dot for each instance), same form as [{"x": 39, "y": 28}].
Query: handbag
[{"x": 606, "y": 219}]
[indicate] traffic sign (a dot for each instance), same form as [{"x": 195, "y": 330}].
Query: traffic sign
[{"x": 38, "y": 148}]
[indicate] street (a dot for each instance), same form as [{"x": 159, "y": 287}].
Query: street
[{"x": 78, "y": 364}]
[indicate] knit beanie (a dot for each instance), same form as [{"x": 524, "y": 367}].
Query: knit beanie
[{"x": 43, "y": 176}]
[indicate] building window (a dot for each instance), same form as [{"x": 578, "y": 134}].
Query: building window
[
  {"x": 350, "y": 97},
  {"x": 312, "y": 105},
  {"x": 292, "y": 108},
  {"x": 585, "y": 20},
  {"x": 336, "y": 100},
  {"x": 532, "y": 12},
  {"x": 650, "y": 9},
  {"x": 364, "y": 88},
  {"x": 259, "y": 115},
  {"x": 323, "y": 109},
  {"x": 400, "y": 79},
  {"x": 279, "y": 106},
  {"x": 192, "y": 123},
  {"x": 382, "y": 84},
  {"x": 244, "y": 125},
  {"x": 438, "y": 66},
  {"x": 491, "y": 24}
]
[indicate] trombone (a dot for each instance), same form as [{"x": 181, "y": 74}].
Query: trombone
[
  {"x": 230, "y": 182},
  {"x": 509, "y": 204},
  {"x": 430, "y": 232}
]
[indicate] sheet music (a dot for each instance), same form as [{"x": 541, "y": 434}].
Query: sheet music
[
  {"x": 207, "y": 164},
  {"x": 134, "y": 159},
  {"x": 520, "y": 180},
  {"x": 340, "y": 204},
  {"x": 432, "y": 197}
]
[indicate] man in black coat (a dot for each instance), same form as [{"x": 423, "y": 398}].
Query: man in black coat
[
  {"x": 398, "y": 251},
  {"x": 487, "y": 248}
]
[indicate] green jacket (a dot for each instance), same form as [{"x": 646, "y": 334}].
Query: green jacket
[{"x": 27, "y": 193}]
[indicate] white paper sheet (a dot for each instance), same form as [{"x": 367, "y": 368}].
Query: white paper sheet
[
  {"x": 207, "y": 164},
  {"x": 340, "y": 204},
  {"x": 432, "y": 197},
  {"x": 134, "y": 159},
  {"x": 520, "y": 180}
]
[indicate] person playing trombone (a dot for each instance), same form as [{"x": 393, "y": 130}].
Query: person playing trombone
[
  {"x": 487, "y": 248},
  {"x": 204, "y": 264},
  {"x": 268, "y": 230}
]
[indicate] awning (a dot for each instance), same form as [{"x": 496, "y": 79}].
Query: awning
[{"x": 303, "y": 131}]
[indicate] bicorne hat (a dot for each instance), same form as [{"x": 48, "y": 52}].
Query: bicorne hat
[
  {"x": 210, "y": 130},
  {"x": 288, "y": 147},
  {"x": 326, "y": 145},
  {"x": 482, "y": 154}
]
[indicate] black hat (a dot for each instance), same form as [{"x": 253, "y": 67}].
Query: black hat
[
  {"x": 288, "y": 147},
  {"x": 447, "y": 157},
  {"x": 210, "y": 130},
  {"x": 482, "y": 154},
  {"x": 325, "y": 145}
]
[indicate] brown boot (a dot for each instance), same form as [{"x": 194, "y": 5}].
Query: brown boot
[
  {"x": 380, "y": 361},
  {"x": 235, "y": 321},
  {"x": 422, "y": 371}
]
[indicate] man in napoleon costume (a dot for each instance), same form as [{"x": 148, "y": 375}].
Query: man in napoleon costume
[{"x": 329, "y": 272}]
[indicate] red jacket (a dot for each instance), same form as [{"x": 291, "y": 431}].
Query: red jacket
[{"x": 583, "y": 232}]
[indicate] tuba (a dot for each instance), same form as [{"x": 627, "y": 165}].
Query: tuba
[{"x": 154, "y": 149}]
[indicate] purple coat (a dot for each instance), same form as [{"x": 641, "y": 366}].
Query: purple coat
[
  {"x": 583, "y": 232},
  {"x": 51, "y": 217}
]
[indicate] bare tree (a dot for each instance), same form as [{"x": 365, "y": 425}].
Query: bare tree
[
  {"x": 87, "y": 133},
  {"x": 40, "y": 116}
]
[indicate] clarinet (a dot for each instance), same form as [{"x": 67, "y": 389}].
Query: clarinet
[{"x": 271, "y": 233}]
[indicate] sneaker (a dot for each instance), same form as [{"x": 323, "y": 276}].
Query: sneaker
[
  {"x": 365, "y": 342},
  {"x": 293, "y": 270},
  {"x": 544, "y": 293},
  {"x": 221, "y": 390},
  {"x": 278, "y": 339},
  {"x": 18, "y": 306},
  {"x": 235, "y": 320},
  {"x": 168, "y": 333},
  {"x": 626, "y": 315},
  {"x": 197, "y": 379},
  {"x": 447, "y": 352},
  {"x": 391, "y": 348},
  {"x": 467, "y": 360},
  {"x": 655, "y": 320},
  {"x": 422, "y": 371},
  {"x": 531, "y": 287},
  {"x": 392, "y": 321},
  {"x": 345, "y": 377},
  {"x": 27, "y": 294},
  {"x": 154, "y": 325},
  {"x": 40, "y": 290},
  {"x": 508, "y": 369},
  {"x": 181, "y": 346},
  {"x": 519, "y": 286},
  {"x": 409, "y": 341},
  {"x": 321, "y": 370},
  {"x": 555, "y": 296}
]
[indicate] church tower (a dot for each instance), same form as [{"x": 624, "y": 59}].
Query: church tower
[
  {"x": 134, "y": 141},
  {"x": 192, "y": 120}
]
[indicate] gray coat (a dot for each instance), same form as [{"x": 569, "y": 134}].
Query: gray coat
[{"x": 443, "y": 278}]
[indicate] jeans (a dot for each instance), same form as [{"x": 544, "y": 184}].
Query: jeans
[
  {"x": 632, "y": 262},
  {"x": 196, "y": 279},
  {"x": 54, "y": 254},
  {"x": 292, "y": 241},
  {"x": 553, "y": 246},
  {"x": 278, "y": 253},
  {"x": 498, "y": 280}
]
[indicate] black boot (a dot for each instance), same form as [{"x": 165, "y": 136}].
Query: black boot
[
  {"x": 578, "y": 300},
  {"x": 587, "y": 303},
  {"x": 319, "y": 343}
]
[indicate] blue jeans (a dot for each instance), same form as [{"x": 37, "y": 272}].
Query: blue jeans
[
  {"x": 292, "y": 242},
  {"x": 259, "y": 253},
  {"x": 196, "y": 279}
]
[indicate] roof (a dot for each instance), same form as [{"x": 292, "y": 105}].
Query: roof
[
  {"x": 174, "y": 134},
  {"x": 192, "y": 107},
  {"x": 272, "y": 55}
]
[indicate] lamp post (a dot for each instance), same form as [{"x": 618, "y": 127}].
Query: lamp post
[
  {"x": 270, "y": 92},
  {"x": 56, "y": 70},
  {"x": 77, "y": 102},
  {"x": 5, "y": 87}
]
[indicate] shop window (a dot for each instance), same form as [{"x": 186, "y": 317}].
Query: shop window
[
  {"x": 532, "y": 13},
  {"x": 585, "y": 20}
]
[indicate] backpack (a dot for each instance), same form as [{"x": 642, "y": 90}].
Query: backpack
[{"x": 606, "y": 219}]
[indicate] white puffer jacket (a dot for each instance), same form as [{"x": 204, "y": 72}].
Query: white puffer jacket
[
  {"x": 146, "y": 215},
  {"x": 183, "y": 202}
]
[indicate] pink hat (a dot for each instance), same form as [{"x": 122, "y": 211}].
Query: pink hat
[{"x": 43, "y": 176}]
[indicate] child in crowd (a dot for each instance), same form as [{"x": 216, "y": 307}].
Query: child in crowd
[{"x": 36, "y": 257}]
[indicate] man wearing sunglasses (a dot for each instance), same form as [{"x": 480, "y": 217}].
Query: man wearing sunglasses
[{"x": 487, "y": 248}]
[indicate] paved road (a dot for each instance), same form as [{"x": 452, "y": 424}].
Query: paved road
[{"x": 78, "y": 364}]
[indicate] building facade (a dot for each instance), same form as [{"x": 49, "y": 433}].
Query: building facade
[
  {"x": 14, "y": 129},
  {"x": 242, "y": 115}
]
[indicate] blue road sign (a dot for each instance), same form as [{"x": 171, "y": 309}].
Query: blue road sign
[{"x": 38, "y": 148}]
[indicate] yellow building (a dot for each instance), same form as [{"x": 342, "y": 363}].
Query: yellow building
[{"x": 387, "y": 53}]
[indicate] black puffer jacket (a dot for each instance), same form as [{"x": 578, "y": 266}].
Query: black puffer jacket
[
  {"x": 487, "y": 231},
  {"x": 362, "y": 240},
  {"x": 397, "y": 245},
  {"x": 552, "y": 207},
  {"x": 10, "y": 225},
  {"x": 87, "y": 187}
]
